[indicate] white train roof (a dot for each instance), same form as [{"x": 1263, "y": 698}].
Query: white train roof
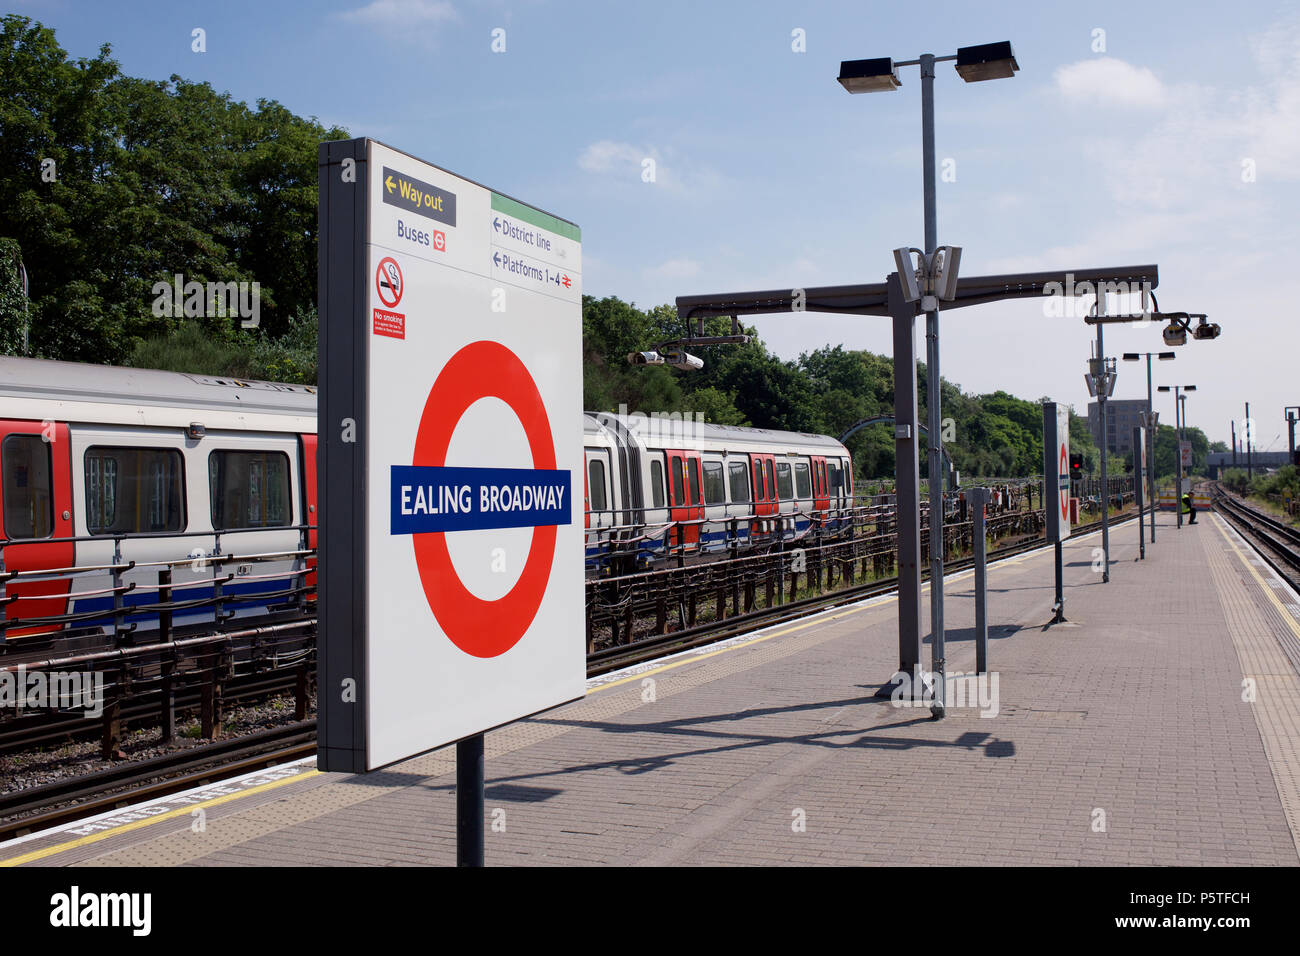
[
  {"x": 74, "y": 392},
  {"x": 684, "y": 432}
]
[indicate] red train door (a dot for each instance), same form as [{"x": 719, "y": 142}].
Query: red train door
[
  {"x": 763, "y": 468},
  {"x": 685, "y": 495},
  {"x": 310, "y": 514},
  {"x": 821, "y": 493},
  {"x": 36, "y": 502}
]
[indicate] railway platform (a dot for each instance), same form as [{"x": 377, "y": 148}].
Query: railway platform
[{"x": 1158, "y": 725}]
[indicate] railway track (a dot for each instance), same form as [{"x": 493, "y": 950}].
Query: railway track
[
  {"x": 63, "y": 801},
  {"x": 75, "y": 798},
  {"x": 1277, "y": 543}
]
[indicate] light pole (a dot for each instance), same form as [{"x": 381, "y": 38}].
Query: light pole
[
  {"x": 1151, "y": 426},
  {"x": 1180, "y": 409},
  {"x": 988, "y": 61}
]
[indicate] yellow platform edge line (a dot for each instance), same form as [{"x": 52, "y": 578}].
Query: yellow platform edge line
[
  {"x": 1241, "y": 556},
  {"x": 148, "y": 821}
]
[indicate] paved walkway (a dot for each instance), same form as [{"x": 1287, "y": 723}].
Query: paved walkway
[{"x": 1121, "y": 737}]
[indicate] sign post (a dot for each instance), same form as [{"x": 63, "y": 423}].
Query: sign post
[
  {"x": 978, "y": 498},
  {"x": 1056, "y": 486},
  {"x": 1139, "y": 485},
  {"x": 450, "y": 464}
]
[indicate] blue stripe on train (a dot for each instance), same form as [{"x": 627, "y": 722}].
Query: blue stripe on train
[{"x": 179, "y": 593}]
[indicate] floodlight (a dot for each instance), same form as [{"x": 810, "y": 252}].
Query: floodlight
[
  {"x": 869, "y": 76},
  {"x": 907, "y": 274},
  {"x": 943, "y": 271},
  {"x": 988, "y": 61}
]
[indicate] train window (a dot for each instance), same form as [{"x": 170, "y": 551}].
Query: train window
[
  {"x": 715, "y": 486},
  {"x": 739, "y": 475},
  {"x": 848, "y": 476},
  {"x": 679, "y": 482},
  {"x": 133, "y": 490},
  {"x": 784, "y": 487},
  {"x": 657, "y": 483},
  {"x": 802, "y": 481},
  {"x": 771, "y": 483},
  {"x": 833, "y": 468},
  {"x": 759, "y": 493},
  {"x": 249, "y": 489},
  {"x": 694, "y": 464},
  {"x": 29, "y": 499},
  {"x": 596, "y": 484}
]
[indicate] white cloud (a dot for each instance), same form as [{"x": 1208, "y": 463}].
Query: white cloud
[
  {"x": 1111, "y": 82},
  {"x": 402, "y": 13},
  {"x": 651, "y": 167},
  {"x": 607, "y": 155},
  {"x": 681, "y": 268}
]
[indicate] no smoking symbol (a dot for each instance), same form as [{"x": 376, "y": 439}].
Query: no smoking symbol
[{"x": 388, "y": 282}]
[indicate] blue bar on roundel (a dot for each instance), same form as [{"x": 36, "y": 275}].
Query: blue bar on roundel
[{"x": 427, "y": 499}]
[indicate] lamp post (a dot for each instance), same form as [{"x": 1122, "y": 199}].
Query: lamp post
[
  {"x": 1151, "y": 426},
  {"x": 1180, "y": 409},
  {"x": 989, "y": 61}
]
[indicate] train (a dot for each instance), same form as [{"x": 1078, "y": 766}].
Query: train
[{"x": 122, "y": 473}]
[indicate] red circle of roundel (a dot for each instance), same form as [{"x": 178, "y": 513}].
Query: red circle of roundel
[
  {"x": 1064, "y": 494},
  {"x": 384, "y": 280},
  {"x": 482, "y": 628}
]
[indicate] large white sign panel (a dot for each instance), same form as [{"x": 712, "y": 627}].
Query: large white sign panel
[
  {"x": 1056, "y": 470},
  {"x": 473, "y": 460}
]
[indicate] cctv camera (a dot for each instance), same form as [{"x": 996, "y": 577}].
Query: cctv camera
[
  {"x": 1206, "y": 330},
  {"x": 677, "y": 358},
  {"x": 1175, "y": 334},
  {"x": 645, "y": 358}
]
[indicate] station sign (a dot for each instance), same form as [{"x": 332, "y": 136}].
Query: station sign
[
  {"x": 1185, "y": 454},
  {"x": 451, "y": 594},
  {"x": 1056, "y": 470}
]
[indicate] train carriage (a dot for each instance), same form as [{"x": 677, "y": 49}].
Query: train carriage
[
  {"x": 140, "y": 469},
  {"x": 125, "y": 473}
]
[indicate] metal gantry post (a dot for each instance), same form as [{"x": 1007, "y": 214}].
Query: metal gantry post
[
  {"x": 933, "y": 400},
  {"x": 908, "y": 497}
]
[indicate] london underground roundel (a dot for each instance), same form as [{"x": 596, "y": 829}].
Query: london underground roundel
[{"x": 478, "y": 627}]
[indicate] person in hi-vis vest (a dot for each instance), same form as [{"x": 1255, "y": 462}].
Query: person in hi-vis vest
[{"x": 1189, "y": 507}]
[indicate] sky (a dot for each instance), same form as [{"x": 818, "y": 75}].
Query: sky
[{"x": 1134, "y": 133}]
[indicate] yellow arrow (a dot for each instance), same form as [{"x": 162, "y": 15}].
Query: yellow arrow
[{"x": 389, "y": 183}]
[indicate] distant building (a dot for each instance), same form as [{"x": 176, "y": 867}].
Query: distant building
[{"x": 1122, "y": 416}]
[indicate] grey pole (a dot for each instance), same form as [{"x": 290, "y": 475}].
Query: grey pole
[
  {"x": 1178, "y": 434},
  {"x": 977, "y": 498},
  {"x": 1139, "y": 441},
  {"x": 1290, "y": 430},
  {"x": 1101, "y": 415},
  {"x": 1151, "y": 452},
  {"x": 1234, "y": 443},
  {"x": 932, "y": 401},
  {"x": 908, "y": 498}
]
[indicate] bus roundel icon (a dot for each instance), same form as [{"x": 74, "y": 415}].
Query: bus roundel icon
[
  {"x": 483, "y": 628},
  {"x": 388, "y": 282},
  {"x": 1065, "y": 483}
]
